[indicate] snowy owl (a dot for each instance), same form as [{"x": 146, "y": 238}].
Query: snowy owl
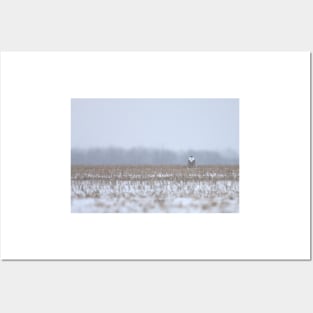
[{"x": 191, "y": 161}]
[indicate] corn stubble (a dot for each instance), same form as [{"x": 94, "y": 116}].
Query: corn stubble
[{"x": 155, "y": 189}]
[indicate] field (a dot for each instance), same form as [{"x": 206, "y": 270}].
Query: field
[{"x": 155, "y": 189}]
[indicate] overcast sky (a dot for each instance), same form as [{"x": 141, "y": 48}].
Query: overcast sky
[{"x": 177, "y": 124}]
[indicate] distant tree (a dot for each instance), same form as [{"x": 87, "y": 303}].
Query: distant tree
[{"x": 145, "y": 156}]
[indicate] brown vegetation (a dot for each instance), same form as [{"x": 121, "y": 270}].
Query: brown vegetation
[{"x": 156, "y": 188}]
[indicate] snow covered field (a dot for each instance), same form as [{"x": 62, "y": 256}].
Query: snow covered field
[{"x": 155, "y": 189}]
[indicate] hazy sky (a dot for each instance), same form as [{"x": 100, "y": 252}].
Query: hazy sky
[{"x": 178, "y": 124}]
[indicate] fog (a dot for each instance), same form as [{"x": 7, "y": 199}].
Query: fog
[
  {"x": 154, "y": 131},
  {"x": 139, "y": 156},
  {"x": 211, "y": 124}
]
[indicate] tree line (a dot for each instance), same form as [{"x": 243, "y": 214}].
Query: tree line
[{"x": 147, "y": 156}]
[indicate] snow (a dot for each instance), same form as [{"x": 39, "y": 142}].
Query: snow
[{"x": 155, "y": 190}]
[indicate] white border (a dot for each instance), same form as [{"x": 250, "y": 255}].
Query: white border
[{"x": 274, "y": 218}]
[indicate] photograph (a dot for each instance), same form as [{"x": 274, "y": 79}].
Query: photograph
[
  {"x": 155, "y": 155},
  {"x": 101, "y": 134}
]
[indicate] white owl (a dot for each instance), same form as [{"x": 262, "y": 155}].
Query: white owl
[{"x": 191, "y": 161}]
